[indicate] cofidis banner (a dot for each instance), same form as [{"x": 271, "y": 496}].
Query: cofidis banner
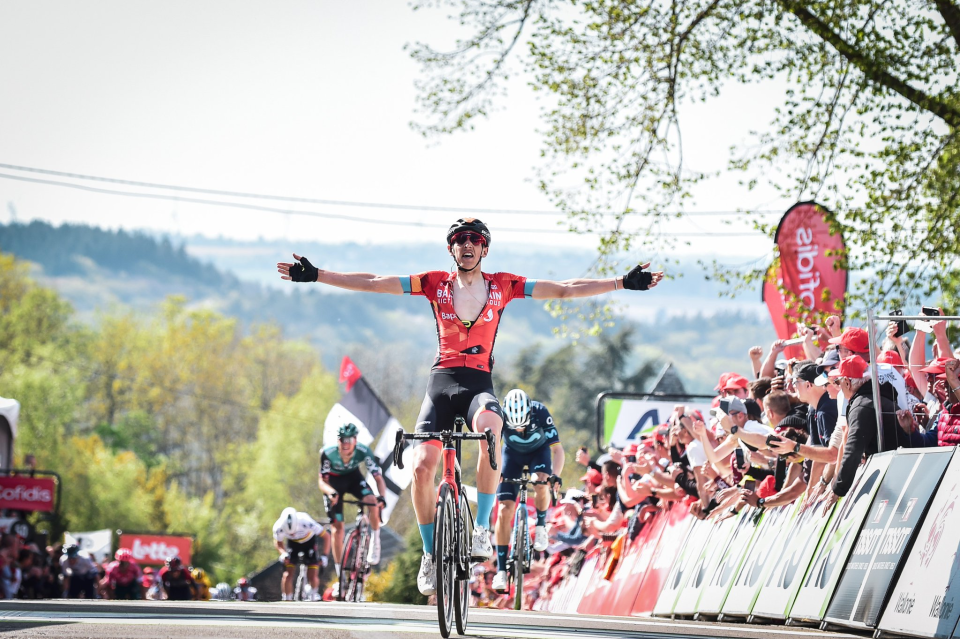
[
  {"x": 904, "y": 494},
  {"x": 926, "y": 599},
  {"x": 847, "y": 517}
]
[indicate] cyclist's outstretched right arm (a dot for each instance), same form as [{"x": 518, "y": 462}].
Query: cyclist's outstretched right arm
[{"x": 303, "y": 271}]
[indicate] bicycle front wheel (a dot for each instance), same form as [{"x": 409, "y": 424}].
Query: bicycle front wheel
[
  {"x": 521, "y": 542},
  {"x": 348, "y": 570},
  {"x": 301, "y": 582},
  {"x": 462, "y": 598},
  {"x": 445, "y": 557}
]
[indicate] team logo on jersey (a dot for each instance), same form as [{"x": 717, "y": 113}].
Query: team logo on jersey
[
  {"x": 489, "y": 316},
  {"x": 496, "y": 297}
]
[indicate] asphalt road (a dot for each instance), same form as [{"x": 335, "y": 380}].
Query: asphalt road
[{"x": 229, "y": 620}]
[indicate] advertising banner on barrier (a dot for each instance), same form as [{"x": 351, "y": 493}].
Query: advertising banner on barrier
[
  {"x": 680, "y": 571},
  {"x": 630, "y": 575},
  {"x": 709, "y": 557},
  {"x": 905, "y": 493},
  {"x": 584, "y": 579},
  {"x": 799, "y": 547},
  {"x": 624, "y": 420},
  {"x": 597, "y": 589},
  {"x": 728, "y": 564},
  {"x": 759, "y": 561},
  {"x": 926, "y": 599},
  {"x": 664, "y": 555},
  {"x": 153, "y": 550},
  {"x": 823, "y": 574}
]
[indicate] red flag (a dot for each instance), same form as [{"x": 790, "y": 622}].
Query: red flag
[
  {"x": 805, "y": 285},
  {"x": 349, "y": 372}
]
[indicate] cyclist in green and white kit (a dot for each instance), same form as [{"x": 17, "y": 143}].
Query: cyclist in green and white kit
[{"x": 341, "y": 473}]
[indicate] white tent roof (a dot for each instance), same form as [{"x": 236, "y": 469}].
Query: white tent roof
[{"x": 10, "y": 408}]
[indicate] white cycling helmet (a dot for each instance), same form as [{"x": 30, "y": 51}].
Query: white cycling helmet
[
  {"x": 516, "y": 408},
  {"x": 288, "y": 520}
]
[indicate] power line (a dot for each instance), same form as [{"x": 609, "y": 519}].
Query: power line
[
  {"x": 335, "y": 216},
  {"x": 306, "y": 200}
]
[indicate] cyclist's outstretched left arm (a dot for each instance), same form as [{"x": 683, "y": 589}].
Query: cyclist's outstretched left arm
[
  {"x": 638, "y": 279},
  {"x": 303, "y": 271}
]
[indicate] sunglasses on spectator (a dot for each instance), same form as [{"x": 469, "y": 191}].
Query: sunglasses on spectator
[{"x": 462, "y": 238}]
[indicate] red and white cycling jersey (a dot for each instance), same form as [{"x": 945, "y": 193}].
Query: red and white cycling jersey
[
  {"x": 117, "y": 576},
  {"x": 466, "y": 343}
]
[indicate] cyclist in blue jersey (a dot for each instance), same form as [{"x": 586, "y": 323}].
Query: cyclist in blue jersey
[
  {"x": 530, "y": 440},
  {"x": 467, "y": 306}
]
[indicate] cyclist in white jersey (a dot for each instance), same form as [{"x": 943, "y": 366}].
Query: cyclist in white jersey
[{"x": 297, "y": 532}]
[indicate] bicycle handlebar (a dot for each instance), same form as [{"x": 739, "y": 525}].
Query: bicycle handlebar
[{"x": 445, "y": 437}]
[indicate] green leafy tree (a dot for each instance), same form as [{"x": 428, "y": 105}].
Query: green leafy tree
[{"x": 869, "y": 127}]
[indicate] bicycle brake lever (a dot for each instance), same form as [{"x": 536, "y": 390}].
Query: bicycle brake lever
[
  {"x": 398, "y": 450},
  {"x": 491, "y": 448}
]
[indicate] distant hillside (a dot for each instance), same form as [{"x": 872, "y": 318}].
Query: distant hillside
[{"x": 683, "y": 321}]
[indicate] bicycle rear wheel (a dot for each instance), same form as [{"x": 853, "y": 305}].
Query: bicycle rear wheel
[
  {"x": 301, "y": 582},
  {"x": 462, "y": 598},
  {"x": 521, "y": 540},
  {"x": 444, "y": 553},
  {"x": 348, "y": 571},
  {"x": 362, "y": 568}
]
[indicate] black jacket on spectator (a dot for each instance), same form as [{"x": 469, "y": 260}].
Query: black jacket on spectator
[{"x": 862, "y": 432}]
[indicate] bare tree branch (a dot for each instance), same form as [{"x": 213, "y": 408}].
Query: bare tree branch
[{"x": 951, "y": 16}]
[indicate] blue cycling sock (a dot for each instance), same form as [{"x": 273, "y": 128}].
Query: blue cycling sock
[
  {"x": 484, "y": 508},
  {"x": 426, "y": 533},
  {"x": 541, "y": 518},
  {"x": 502, "y": 557}
]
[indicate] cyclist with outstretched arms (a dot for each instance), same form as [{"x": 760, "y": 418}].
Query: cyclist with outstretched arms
[
  {"x": 341, "y": 472},
  {"x": 467, "y": 305},
  {"x": 297, "y": 532},
  {"x": 530, "y": 441}
]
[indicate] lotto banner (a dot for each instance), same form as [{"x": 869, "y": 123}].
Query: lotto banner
[
  {"x": 784, "y": 582},
  {"x": 671, "y": 541},
  {"x": 898, "y": 506},
  {"x": 759, "y": 561},
  {"x": 824, "y": 572},
  {"x": 624, "y": 420},
  {"x": 728, "y": 564},
  {"x": 926, "y": 599},
  {"x": 680, "y": 572},
  {"x": 709, "y": 558},
  {"x": 153, "y": 550}
]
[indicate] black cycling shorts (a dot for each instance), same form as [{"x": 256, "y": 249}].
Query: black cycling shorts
[
  {"x": 352, "y": 483},
  {"x": 456, "y": 391},
  {"x": 513, "y": 463},
  {"x": 309, "y": 548}
]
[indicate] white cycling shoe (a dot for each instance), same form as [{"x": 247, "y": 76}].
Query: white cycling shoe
[
  {"x": 427, "y": 577},
  {"x": 540, "y": 539},
  {"x": 500, "y": 581},
  {"x": 482, "y": 548},
  {"x": 373, "y": 552}
]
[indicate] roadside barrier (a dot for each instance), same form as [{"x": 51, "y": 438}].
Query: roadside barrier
[{"x": 885, "y": 557}]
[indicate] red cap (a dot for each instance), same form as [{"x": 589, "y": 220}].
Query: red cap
[
  {"x": 767, "y": 488},
  {"x": 854, "y": 339},
  {"x": 723, "y": 381},
  {"x": 736, "y": 381},
  {"x": 936, "y": 366},
  {"x": 593, "y": 476},
  {"x": 890, "y": 357},
  {"x": 631, "y": 449},
  {"x": 852, "y": 367},
  {"x": 661, "y": 434}
]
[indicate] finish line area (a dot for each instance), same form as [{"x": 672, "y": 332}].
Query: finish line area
[{"x": 115, "y": 619}]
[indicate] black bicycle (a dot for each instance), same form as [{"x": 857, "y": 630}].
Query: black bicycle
[
  {"x": 354, "y": 569},
  {"x": 518, "y": 561},
  {"x": 452, "y": 531}
]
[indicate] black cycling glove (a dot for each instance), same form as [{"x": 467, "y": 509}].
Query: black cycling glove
[
  {"x": 304, "y": 271},
  {"x": 637, "y": 279}
]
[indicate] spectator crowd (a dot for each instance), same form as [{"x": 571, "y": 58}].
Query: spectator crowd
[{"x": 793, "y": 428}]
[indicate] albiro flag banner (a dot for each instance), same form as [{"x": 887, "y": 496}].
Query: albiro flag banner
[
  {"x": 846, "y": 519},
  {"x": 926, "y": 599},
  {"x": 904, "y": 494}
]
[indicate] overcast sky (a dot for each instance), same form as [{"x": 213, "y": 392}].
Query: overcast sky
[{"x": 296, "y": 98}]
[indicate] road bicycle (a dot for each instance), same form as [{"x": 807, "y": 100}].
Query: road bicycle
[
  {"x": 452, "y": 531},
  {"x": 521, "y": 550},
  {"x": 354, "y": 569},
  {"x": 302, "y": 583}
]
